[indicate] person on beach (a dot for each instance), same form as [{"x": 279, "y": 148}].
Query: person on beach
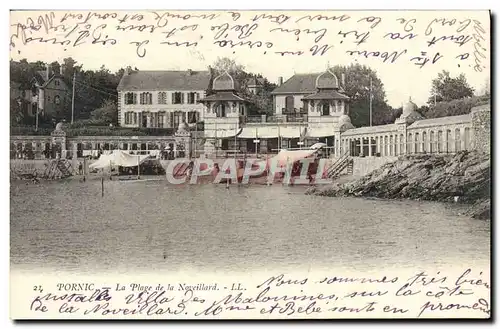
[{"x": 35, "y": 179}]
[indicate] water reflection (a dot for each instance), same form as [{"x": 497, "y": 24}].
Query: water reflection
[{"x": 146, "y": 226}]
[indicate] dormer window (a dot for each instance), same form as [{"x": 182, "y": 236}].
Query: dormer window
[{"x": 57, "y": 82}]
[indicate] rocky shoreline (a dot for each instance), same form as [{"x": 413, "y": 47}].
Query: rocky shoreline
[{"x": 462, "y": 177}]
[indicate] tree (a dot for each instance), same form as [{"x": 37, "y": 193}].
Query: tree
[
  {"x": 358, "y": 89},
  {"x": 445, "y": 88},
  {"x": 16, "y": 112},
  {"x": 107, "y": 113},
  {"x": 454, "y": 107},
  {"x": 223, "y": 64}
]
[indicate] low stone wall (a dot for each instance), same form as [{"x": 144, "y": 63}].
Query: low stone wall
[{"x": 363, "y": 166}]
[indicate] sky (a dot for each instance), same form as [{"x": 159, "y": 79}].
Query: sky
[{"x": 268, "y": 44}]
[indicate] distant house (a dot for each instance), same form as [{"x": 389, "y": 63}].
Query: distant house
[
  {"x": 46, "y": 92},
  {"x": 255, "y": 85},
  {"x": 161, "y": 99}
]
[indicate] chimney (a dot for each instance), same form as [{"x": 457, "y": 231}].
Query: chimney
[
  {"x": 343, "y": 81},
  {"x": 280, "y": 81},
  {"x": 127, "y": 70},
  {"x": 61, "y": 70},
  {"x": 47, "y": 71}
]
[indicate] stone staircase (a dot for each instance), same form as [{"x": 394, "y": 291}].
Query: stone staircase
[{"x": 344, "y": 163}]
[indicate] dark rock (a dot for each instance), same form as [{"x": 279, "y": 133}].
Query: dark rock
[{"x": 425, "y": 177}]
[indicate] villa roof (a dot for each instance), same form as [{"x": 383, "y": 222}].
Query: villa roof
[
  {"x": 326, "y": 94},
  {"x": 165, "y": 80},
  {"x": 223, "y": 96},
  {"x": 372, "y": 129},
  {"x": 443, "y": 121},
  {"x": 298, "y": 84}
]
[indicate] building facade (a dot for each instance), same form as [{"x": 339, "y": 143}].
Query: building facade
[
  {"x": 161, "y": 99},
  {"x": 320, "y": 117}
]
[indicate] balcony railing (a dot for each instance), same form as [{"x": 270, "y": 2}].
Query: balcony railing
[{"x": 294, "y": 118}]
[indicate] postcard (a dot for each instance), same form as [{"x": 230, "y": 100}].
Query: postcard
[{"x": 250, "y": 164}]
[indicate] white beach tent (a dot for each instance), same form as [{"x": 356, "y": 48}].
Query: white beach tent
[{"x": 118, "y": 158}]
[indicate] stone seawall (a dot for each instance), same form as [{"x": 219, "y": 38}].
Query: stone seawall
[
  {"x": 363, "y": 166},
  {"x": 481, "y": 128}
]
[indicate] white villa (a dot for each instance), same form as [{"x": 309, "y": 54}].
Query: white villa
[
  {"x": 161, "y": 99},
  {"x": 306, "y": 110}
]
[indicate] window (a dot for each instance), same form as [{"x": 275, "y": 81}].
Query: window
[
  {"x": 162, "y": 98},
  {"x": 424, "y": 142},
  {"x": 417, "y": 143},
  {"x": 146, "y": 98},
  {"x": 177, "y": 98},
  {"x": 325, "y": 109},
  {"x": 242, "y": 109},
  {"x": 130, "y": 98},
  {"x": 178, "y": 117},
  {"x": 135, "y": 118},
  {"x": 57, "y": 82},
  {"x": 449, "y": 141},
  {"x": 410, "y": 144},
  {"x": 48, "y": 99},
  {"x": 466, "y": 138},
  {"x": 192, "y": 117},
  {"x": 440, "y": 141},
  {"x": 57, "y": 99},
  {"x": 431, "y": 142},
  {"x": 289, "y": 103},
  {"x": 458, "y": 140},
  {"x": 191, "y": 98},
  {"x": 401, "y": 145},
  {"x": 129, "y": 118},
  {"x": 161, "y": 119},
  {"x": 221, "y": 110}
]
